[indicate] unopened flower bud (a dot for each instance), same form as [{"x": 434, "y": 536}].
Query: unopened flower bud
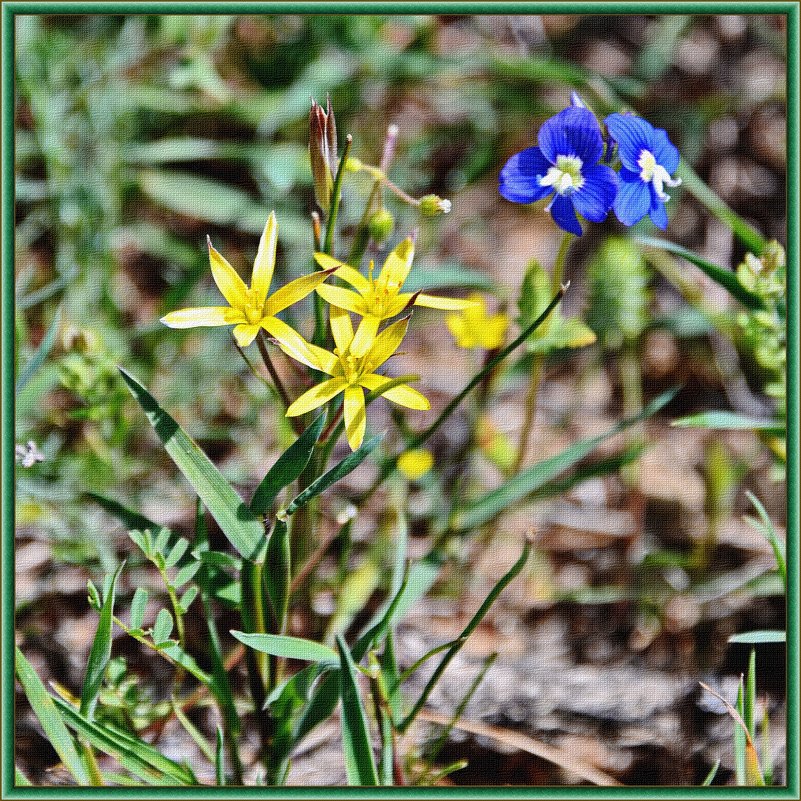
[
  {"x": 432, "y": 205},
  {"x": 323, "y": 151},
  {"x": 381, "y": 225}
]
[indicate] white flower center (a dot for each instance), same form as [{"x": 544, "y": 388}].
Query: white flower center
[
  {"x": 656, "y": 174},
  {"x": 566, "y": 176}
]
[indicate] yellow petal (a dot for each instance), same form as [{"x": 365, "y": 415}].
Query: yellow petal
[
  {"x": 203, "y": 316},
  {"x": 407, "y": 396},
  {"x": 355, "y": 416},
  {"x": 233, "y": 288},
  {"x": 245, "y": 333},
  {"x": 457, "y": 325},
  {"x": 386, "y": 343},
  {"x": 265, "y": 259},
  {"x": 341, "y": 297},
  {"x": 365, "y": 335},
  {"x": 416, "y": 463},
  {"x": 449, "y": 304},
  {"x": 341, "y": 328},
  {"x": 397, "y": 265},
  {"x": 317, "y": 396},
  {"x": 294, "y": 345},
  {"x": 344, "y": 271},
  {"x": 293, "y": 292}
]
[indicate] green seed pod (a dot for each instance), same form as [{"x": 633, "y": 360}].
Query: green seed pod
[
  {"x": 381, "y": 226},
  {"x": 433, "y": 205}
]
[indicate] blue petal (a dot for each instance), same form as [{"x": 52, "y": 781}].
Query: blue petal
[
  {"x": 633, "y": 135},
  {"x": 519, "y": 178},
  {"x": 572, "y": 132},
  {"x": 665, "y": 152},
  {"x": 595, "y": 198},
  {"x": 633, "y": 201},
  {"x": 564, "y": 215},
  {"x": 658, "y": 213}
]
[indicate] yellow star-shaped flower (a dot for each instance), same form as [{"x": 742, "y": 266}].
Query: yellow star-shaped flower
[
  {"x": 249, "y": 308},
  {"x": 377, "y": 299},
  {"x": 474, "y": 328},
  {"x": 349, "y": 373}
]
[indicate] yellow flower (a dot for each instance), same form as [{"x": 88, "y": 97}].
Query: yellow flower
[
  {"x": 377, "y": 299},
  {"x": 474, "y": 328},
  {"x": 349, "y": 373},
  {"x": 416, "y": 463},
  {"x": 249, "y": 308}
]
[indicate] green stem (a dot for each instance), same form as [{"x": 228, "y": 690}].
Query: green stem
[
  {"x": 530, "y": 407},
  {"x": 268, "y": 363},
  {"x": 328, "y": 246}
]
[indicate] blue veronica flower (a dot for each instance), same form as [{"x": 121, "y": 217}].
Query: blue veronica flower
[
  {"x": 565, "y": 164},
  {"x": 648, "y": 159}
]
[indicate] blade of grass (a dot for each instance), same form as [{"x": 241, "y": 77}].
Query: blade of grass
[
  {"x": 749, "y": 698},
  {"x": 45, "y": 710},
  {"x": 757, "y": 637},
  {"x": 728, "y": 420},
  {"x": 42, "y": 352},
  {"x": 288, "y": 647},
  {"x": 710, "y": 777},
  {"x": 769, "y": 533},
  {"x": 239, "y": 525},
  {"x": 359, "y": 758}
]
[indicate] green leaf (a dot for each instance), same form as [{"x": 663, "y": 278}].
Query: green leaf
[
  {"x": 132, "y": 753},
  {"x": 769, "y": 532},
  {"x": 707, "y": 782},
  {"x": 138, "y": 605},
  {"x": 347, "y": 465},
  {"x": 289, "y": 647},
  {"x": 277, "y": 574},
  {"x": 20, "y": 779},
  {"x": 219, "y": 764},
  {"x": 237, "y": 522},
  {"x": 162, "y": 628},
  {"x": 101, "y": 651},
  {"x": 726, "y": 278},
  {"x": 45, "y": 710},
  {"x": 447, "y": 276},
  {"x": 36, "y": 361},
  {"x": 287, "y": 467},
  {"x": 756, "y": 637},
  {"x": 359, "y": 758},
  {"x": 132, "y": 519},
  {"x": 187, "y": 598},
  {"x": 487, "y": 507},
  {"x": 728, "y": 420},
  {"x": 176, "y": 552},
  {"x": 186, "y": 573}
]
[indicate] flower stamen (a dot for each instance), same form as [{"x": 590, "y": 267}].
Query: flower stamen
[
  {"x": 654, "y": 173},
  {"x": 565, "y": 177}
]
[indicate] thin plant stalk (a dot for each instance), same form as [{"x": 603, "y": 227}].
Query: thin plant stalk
[{"x": 530, "y": 407}]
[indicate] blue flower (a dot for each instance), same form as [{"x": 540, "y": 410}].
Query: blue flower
[
  {"x": 565, "y": 164},
  {"x": 648, "y": 159}
]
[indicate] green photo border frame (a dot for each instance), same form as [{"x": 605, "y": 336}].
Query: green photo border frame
[{"x": 792, "y": 12}]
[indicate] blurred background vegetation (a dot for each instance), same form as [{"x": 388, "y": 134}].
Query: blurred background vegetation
[{"x": 138, "y": 135}]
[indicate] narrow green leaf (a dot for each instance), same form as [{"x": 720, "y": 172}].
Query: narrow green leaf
[
  {"x": 176, "y": 552},
  {"x": 192, "y": 731},
  {"x": 100, "y": 652},
  {"x": 710, "y": 777},
  {"x": 726, "y": 278},
  {"x": 45, "y": 710},
  {"x": 347, "y": 465},
  {"x": 487, "y": 507},
  {"x": 132, "y": 519},
  {"x": 132, "y": 753},
  {"x": 359, "y": 758},
  {"x": 219, "y": 764},
  {"x": 277, "y": 574},
  {"x": 161, "y": 541},
  {"x": 728, "y": 420},
  {"x": 187, "y": 598},
  {"x": 288, "y": 647},
  {"x": 757, "y": 637},
  {"x": 740, "y": 739},
  {"x": 447, "y": 276},
  {"x": 20, "y": 779},
  {"x": 138, "y": 605},
  {"x": 287, "y": 468},
  {"x": 769, "y": 532},
  {"x": 749, "y": 698},
  {"x": 237, "y": 522},
  {"x": 42, "y": 352},
  {"x": 162, "y": 628},
  {"x": 186, "y": 573}
]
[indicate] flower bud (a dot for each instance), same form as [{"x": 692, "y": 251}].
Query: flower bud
[
  {"x": 381, "y": 225},
  {"x": 323, "y": 151},
  {"x": 432, "y": 205}
]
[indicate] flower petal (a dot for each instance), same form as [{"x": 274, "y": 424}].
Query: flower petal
[
  {"x": 385, "y": 344},
  {"x": 665, "y": 152},
  {"x": 403, "y": 395},
  {"x": 342, "y": 298},
  {"x": 658, "y": 213},
  {"x": 519, "y": 177},
  {"x": 203, "y": 316},
  {"x": 344, "y": 271},
  {"x": 232, "y": 287},
  {"x": 245, "y": 333},
  {"x": 574, "y": 131},
  {"x": 633, "y": 201},
  {"x": 355, "y": 416},
  {"x": 365, "y": 335},
  {"x": 341, "y": 328},
  {"x": 293, "y": 292},
  {"x": 397, "y": 265},
  {"x": 633, "y": 135},
  {"x": 448, "y": 304},
  {"x": 564, "y": 215},
  {"x": 294, "y": 345},
  {"x": 317, "y": 396},
  {"x": 264, "y": 264},
  {"x": 597, "y": 194}
]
